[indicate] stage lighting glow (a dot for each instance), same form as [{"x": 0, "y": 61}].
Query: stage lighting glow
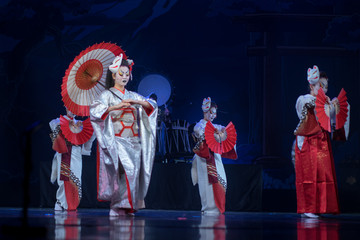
[{"x": 155, "y": 83}]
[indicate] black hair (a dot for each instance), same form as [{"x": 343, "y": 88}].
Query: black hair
[
  {"x": 153, "y": 96},
  {"x": 324, "y": 75},
  {"x": 213, "y": 104},
  {"x": 110, "y": 81}
]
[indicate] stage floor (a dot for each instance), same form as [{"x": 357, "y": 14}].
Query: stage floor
[{"x": 159, "y": 224}]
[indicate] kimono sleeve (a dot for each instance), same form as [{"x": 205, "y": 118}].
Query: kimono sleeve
[
  {"x": 101, "y": 122},
  {"x": 54, "y": 123},
  {"x": 86, "y": 147}
]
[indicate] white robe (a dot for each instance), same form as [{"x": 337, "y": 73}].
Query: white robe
[{"x": 132, "y": 150}]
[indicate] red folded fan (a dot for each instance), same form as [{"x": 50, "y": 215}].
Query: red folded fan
[
  {"x": 342, "y": 114},
  {"x": 216, "y": 143},
  {"x": 321, "y": 115},
  {"x": 76, "y": 138}
]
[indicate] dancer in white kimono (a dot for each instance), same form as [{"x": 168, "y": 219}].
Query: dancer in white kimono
[
  {"x": 207, "y": 169},
  {"x": 125, "y": 126},
  {"x": 67, "y": 164}
]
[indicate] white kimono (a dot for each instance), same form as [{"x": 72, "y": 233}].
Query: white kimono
[{"x": 126, "y": 139}]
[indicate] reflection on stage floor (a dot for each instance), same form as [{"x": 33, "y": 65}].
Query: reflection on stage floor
[{"x": 159, "y": 224}]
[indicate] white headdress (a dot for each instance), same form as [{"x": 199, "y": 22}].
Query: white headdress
[
  {"x": 313, "y": 75},
  {"x": 114, "y": 67},
  {"x": 206, "y": 104}
]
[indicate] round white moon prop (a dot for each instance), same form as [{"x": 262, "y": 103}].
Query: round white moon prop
[{"x": 155, "y": 83}]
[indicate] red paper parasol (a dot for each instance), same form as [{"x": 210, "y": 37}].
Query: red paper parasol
[
  {"x": 217, "y": 144},
  {"x": 342, "y": 112},
  {"x": 76, "y": 138},
  {"x": 322, "y": 114},
  {"x": 80, "y": 84}
]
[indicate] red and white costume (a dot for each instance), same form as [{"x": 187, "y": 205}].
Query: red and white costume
[
  {"x": 126, "y": 149},
  {"x": 316, "y": 186},
  {"x": 208, "y": 170},
  {"x": 67, "y": 167},
  {"x": 126, "y": 146}
]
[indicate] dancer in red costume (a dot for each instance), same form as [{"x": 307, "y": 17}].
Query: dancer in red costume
[{"x": 316, "y": 187}]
